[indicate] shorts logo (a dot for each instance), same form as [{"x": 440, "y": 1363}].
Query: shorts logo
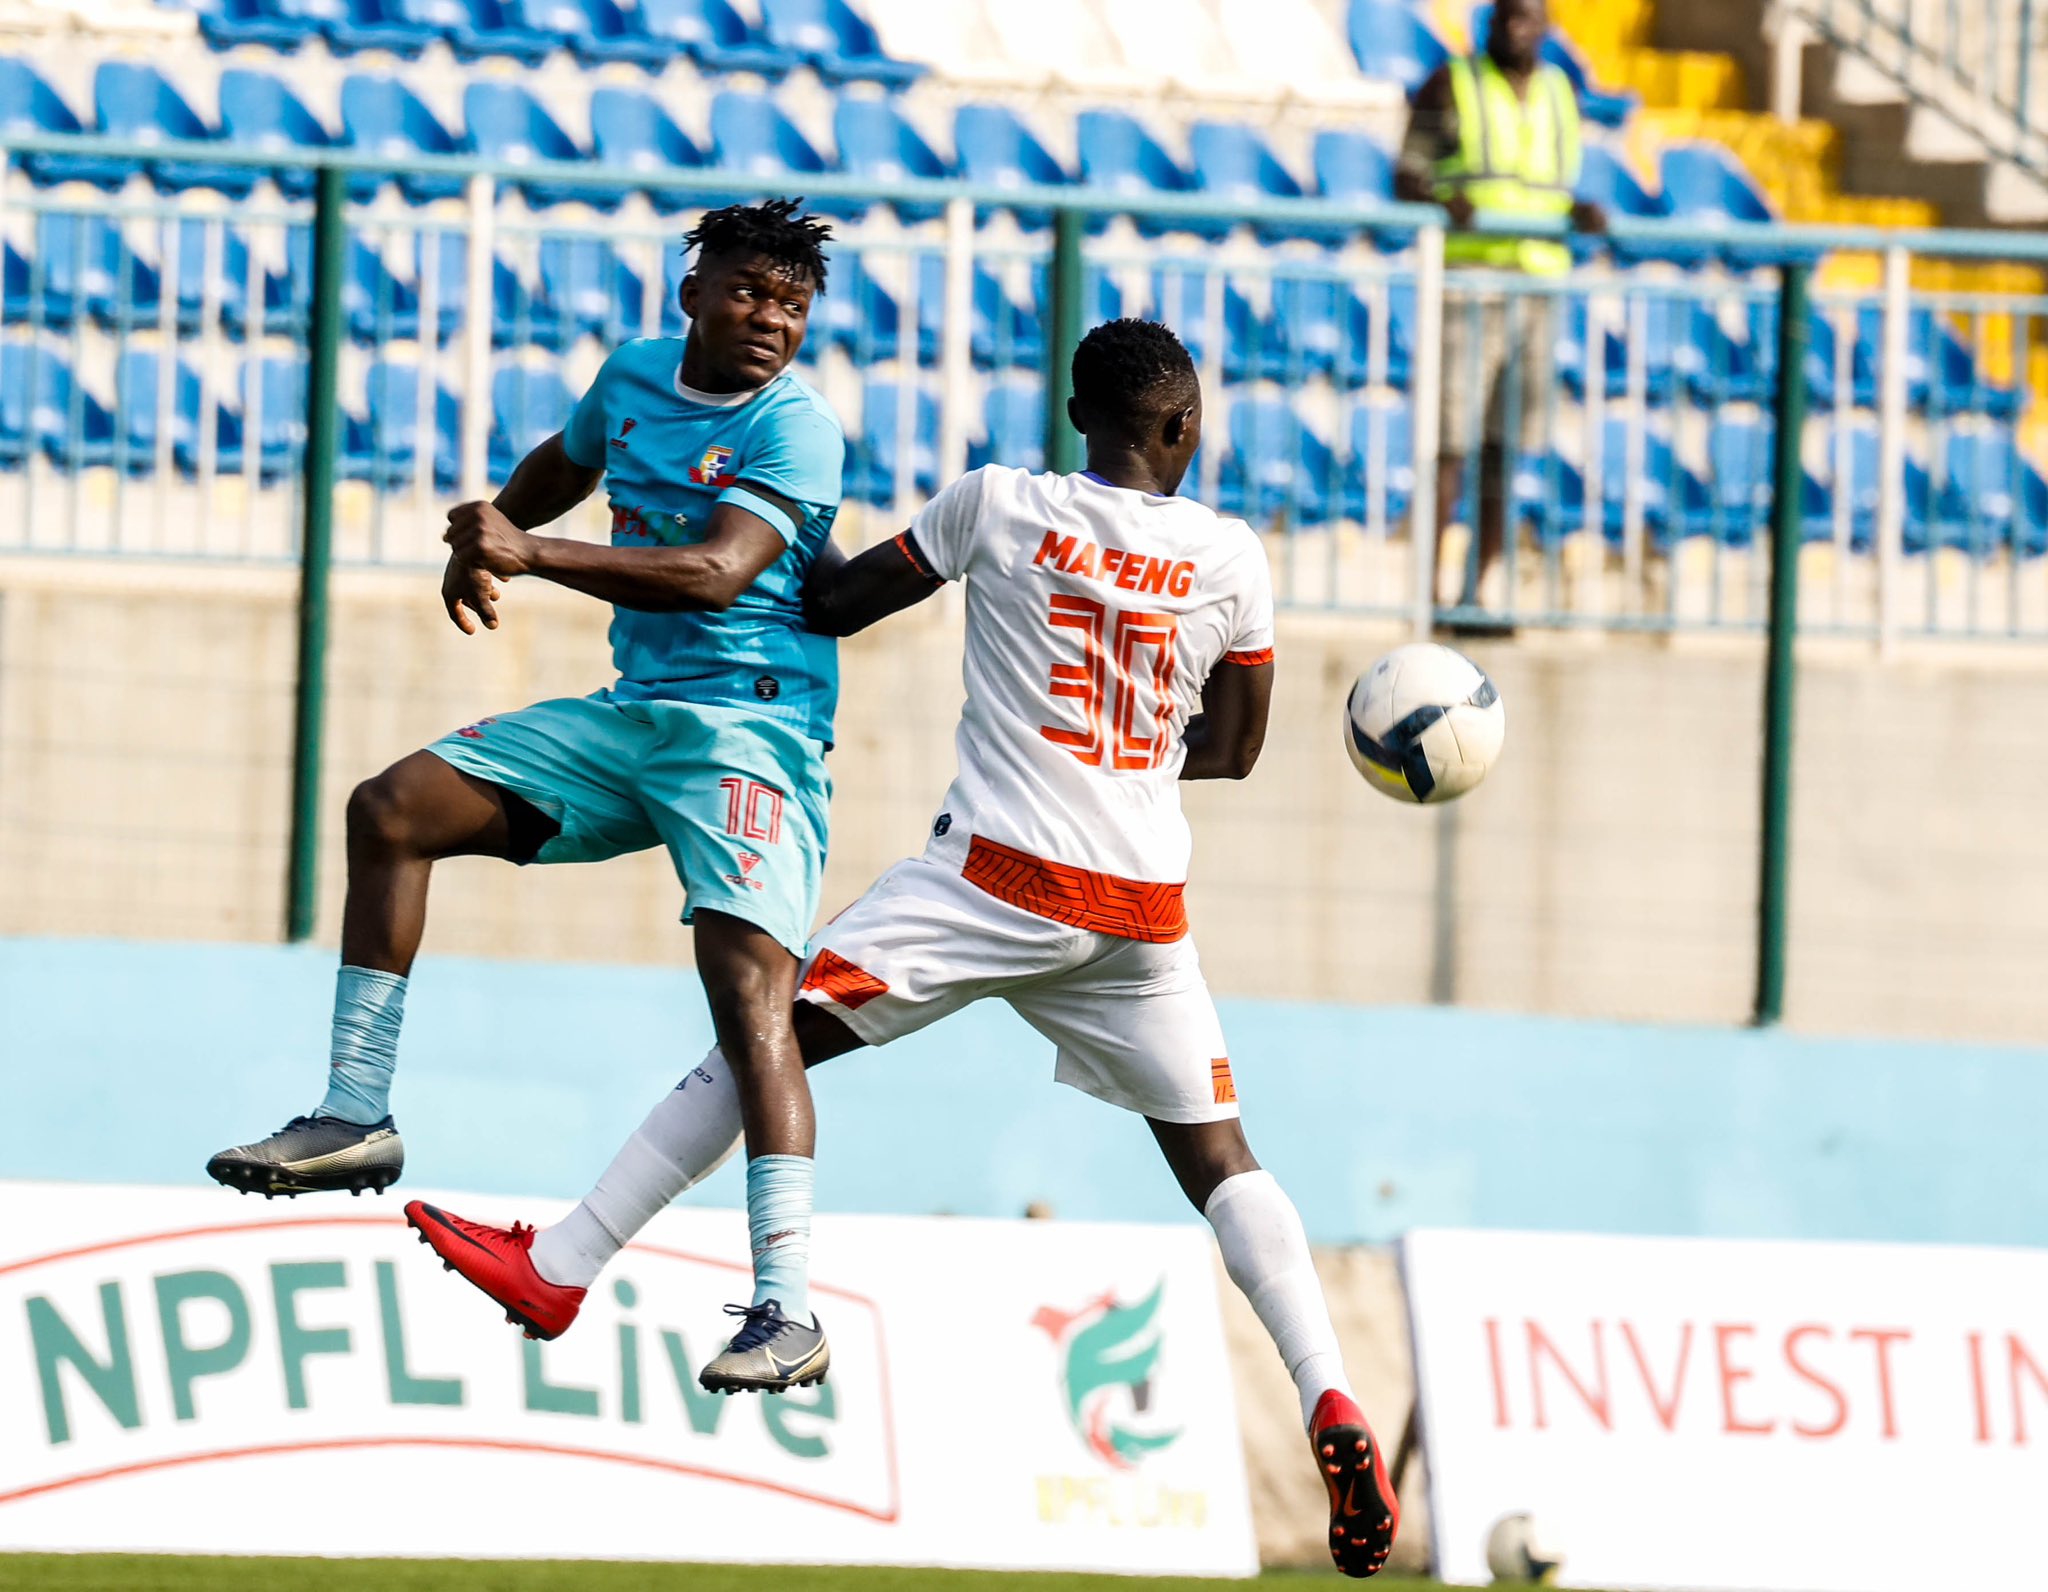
[
  {"x": 767, "y": 688},
  {"x": 944, "y": 823},
  {"x": 625, "y": 430},
  {"x": 748, "y": 861},
  {"x": 475, "y": 732},
  {"x": 706, "y": 470}
]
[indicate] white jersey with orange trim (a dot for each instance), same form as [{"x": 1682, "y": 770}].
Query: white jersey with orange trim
[{"x": 1094, "y": 616}]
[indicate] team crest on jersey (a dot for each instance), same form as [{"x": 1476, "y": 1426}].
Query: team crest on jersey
[{"x": 708, "y": 470}]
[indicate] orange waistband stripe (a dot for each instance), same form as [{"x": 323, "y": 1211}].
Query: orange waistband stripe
[
  {"x": 842, "y": 981},
  {"x": 1130, "y": 909}
]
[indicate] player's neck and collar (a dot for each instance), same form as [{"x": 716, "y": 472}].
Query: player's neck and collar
[
  {"x": 1127, "y": 469},
  {"x": 709, "y": 390}
]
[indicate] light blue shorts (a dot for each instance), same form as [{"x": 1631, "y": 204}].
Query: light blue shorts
[{"x": 738, "y": 800}]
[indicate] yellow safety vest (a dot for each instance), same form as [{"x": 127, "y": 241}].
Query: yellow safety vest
[{"x": 1515, "y": 158}]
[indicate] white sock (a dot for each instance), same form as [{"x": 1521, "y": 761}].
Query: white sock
[
  {"x": 1265, "y": 1250},
  {"x": 685, "y": 1138}
]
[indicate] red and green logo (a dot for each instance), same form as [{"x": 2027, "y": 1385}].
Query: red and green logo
[{"x": 1109, "y": 1357}]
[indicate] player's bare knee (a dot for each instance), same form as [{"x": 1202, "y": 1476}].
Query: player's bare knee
[{"x": 380, "y": 816}]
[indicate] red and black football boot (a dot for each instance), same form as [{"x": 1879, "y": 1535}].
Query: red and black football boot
[
  {"x": 496, "y": 1260},
  {"x": 1364, "y": 1514}
]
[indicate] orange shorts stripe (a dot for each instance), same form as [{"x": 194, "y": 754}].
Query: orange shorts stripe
[
  {"x": 842, "y": 982},
  {"x": 1130, "y": 909},
  {"x": 1225, "y": 1085},
  {"x": 1249, "y": 660}
]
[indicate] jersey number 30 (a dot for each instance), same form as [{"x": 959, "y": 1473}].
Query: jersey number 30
[{"x": 1124, "y": 683}]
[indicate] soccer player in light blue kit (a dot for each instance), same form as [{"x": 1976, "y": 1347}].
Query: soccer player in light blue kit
[{"x": 723, "y": 472}]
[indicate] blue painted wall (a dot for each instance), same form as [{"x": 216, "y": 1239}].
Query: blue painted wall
[{"x": 136, "y": 1061}]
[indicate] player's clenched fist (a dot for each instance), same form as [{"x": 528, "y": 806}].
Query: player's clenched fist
[{"x": 481, "y": 537}]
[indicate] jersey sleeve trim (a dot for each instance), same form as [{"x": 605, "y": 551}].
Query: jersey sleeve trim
[
  {"x": 1251, "y": 659},
  {"x": 759, "y": 506},
  {"x": 907, "y": 546}
]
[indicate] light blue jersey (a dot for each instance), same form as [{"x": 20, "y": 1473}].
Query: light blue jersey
[{"x": 668, "y": 460}]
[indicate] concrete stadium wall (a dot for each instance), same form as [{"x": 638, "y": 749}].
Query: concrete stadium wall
[{"x": 1608, "y": 868}]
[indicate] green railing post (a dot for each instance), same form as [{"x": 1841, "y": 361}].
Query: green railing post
[
  {"x": 1780, "y": 669},
  {"x": 1062, "y": 442},
  {"x": 316, "y": 549}
]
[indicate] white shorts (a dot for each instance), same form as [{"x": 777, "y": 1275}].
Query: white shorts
[{"x": 1133, "y": 1022}]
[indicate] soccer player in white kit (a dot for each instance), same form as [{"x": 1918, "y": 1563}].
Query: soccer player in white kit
[{"x": 1119, "y": 640}]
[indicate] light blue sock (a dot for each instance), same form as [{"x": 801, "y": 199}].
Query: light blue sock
[
  {"x": 779, "y": 1225},
  {"x": 368, "y": 1007}
]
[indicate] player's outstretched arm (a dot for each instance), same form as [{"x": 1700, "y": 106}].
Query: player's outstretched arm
[
  {"x": 1225, "y": 738},
  {"x": 707, "y": 576},
  {"x": 843, "y": 596}
]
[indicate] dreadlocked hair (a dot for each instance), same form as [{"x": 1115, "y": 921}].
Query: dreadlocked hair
[
  {"x": 774, "y": 229},
  {"x": 1127, "y": 370}
]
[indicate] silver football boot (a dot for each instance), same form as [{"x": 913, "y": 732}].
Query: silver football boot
[{"x": 311, "y": 1155}]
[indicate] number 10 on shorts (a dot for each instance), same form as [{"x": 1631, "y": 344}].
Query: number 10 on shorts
[{"x": 753, "y": 811}]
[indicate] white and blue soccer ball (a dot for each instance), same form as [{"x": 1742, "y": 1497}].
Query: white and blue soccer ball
[
  {"x": 1520, "y": 1552},
  {"x": 1424, "y": 724}
]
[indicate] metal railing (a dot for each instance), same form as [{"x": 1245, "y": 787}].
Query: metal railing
[{"x": 1982, "y": 63}]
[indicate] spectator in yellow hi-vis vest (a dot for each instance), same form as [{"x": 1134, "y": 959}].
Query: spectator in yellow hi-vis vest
[{"x": 1496, "y": 135}]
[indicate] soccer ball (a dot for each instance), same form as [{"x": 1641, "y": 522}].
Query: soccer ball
[
  {"x": 1424, "y": 724},
  {"x": 1520, "y": 1553}
]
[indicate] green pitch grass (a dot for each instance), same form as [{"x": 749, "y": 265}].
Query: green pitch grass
[{"x": 133, "y": 1573}]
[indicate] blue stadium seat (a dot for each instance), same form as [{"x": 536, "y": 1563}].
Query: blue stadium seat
[
  {"x": 279, "y": 411},
  {"x": 226, "y": 286},
  {"x": 29, "y": 106},
  {"x": 1718, "y": 368},
  {"x": 528, "y": 406},
  {"x": 506, "y": 123},
  {"x": 136, "y": 386},
  {"x": 1864, "y": 470},
  {"x": 995, "y": 148},
  {"x": 835, "y": 42},
  {"x": 227, "y": 23},
  {"x": 1672, "y": 496},
  {"x": 629, "y": 130},
  {"x": 1353, "y": 169},
  {"x": 43, "y": 409},
  {"x": 1014, "y": 417},
  {"x": 1666, "y": 326},
  {"x": 84, "y": 270},
  {"x": 1599, "y": 105},
  {"x": 1121, "y": 157},
  {"x": 586, "y": 290},
  {"x": 383, "y": 445},
  {"x": 376, "y": 306},
  {"x": 1390, "y": 40},
  {"x": 1235, "y": 165},
  {"x": 1394, "y": 467},
  {"x": 1607, "y": 180},
  {"x": 1180, "y": 299},
  {"x": 1942, "y": 375},
  {"x": 1704, "y": 184},
  {"x": 1739, "y": 482},
  {"x": 597, "y": 31},
  {"x": 472, "y": 28},
  {"x": 1276, "y": 466},
  {"x": 257, "y": 110},
  {"x": 1003, "y": 334},
  {"x": 871, "y": 457},
  {"x": 751, "y": 136},
  {"x": 1991, "y": 497},
  {"x": 381, "y": 116},
  {"x": 135, "y": 103},
  {"x": 855, "y": 313},
  {"x": 1317, "y": 327},
  {"x": 876, "y": 142},
  {"x": 512, "y": 312},
  {"x": 712, "y": 34},
  {"x": 379, "y": 25}
]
